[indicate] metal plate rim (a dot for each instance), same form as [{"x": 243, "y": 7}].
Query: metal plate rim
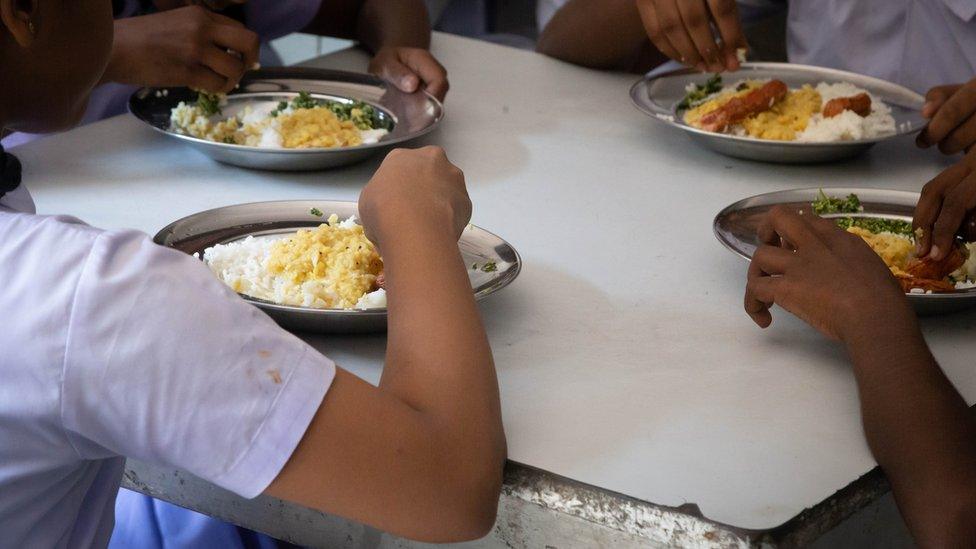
[
  {"x": 967, "y": 294},
  {"x": 510, "y": 275},
  {"x": 281, "y": 157},
  {"x": 668, "y": 117}
]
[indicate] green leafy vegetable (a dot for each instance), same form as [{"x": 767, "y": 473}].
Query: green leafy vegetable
[
  {"x": 699, "y": 92},
  {"x": 489, "y": 267},
  {"x": 828, "y": 204},
  {"x": 316, "y": 212},
  {"x": 363, "y": 115},
  {"x": 877, "y": 225},
  {"x": 209, "y": 103},
  {"x": 825, "y": 205},
  {"x": 304, "y": 101}
]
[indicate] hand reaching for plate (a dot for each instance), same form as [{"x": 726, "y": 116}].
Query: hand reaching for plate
[
  {"x": 682, "y": 30},
  {"x": 188, "y": 46},
  {"x": 824, "y": 275},
  {"x": 951, "y": 111},
  {"x": 409, "y": 68},
  {"x": 947, "y": 208}
]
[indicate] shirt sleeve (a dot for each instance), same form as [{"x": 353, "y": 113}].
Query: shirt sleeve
[
  {"x": 165, "y": 364},
  {"x": 272, "y": 19}
]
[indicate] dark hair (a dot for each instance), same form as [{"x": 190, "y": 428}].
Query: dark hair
[{"x": 10, "y": 172}]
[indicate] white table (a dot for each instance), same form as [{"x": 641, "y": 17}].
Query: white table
[{"x": 624, "y": 357}]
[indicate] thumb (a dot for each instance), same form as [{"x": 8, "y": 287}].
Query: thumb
[{"x": 390, "y": 68}]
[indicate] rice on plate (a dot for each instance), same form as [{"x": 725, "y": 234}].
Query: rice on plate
[
  {"x": 769, "y": 109},
  {"x": 332, "y": 266},
  {"x": 894, "y": 241},
  {"x": 304, "y": 122}
]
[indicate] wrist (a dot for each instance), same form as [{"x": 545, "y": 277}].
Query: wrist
[
  {"x": 883, "y": 337},
  {"x": 398, "y": 228}
]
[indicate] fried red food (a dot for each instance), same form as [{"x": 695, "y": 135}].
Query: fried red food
[
  {"x": 860, "y": 104},
  {"x": 739, "y": 108},
  {"x": 928, "y": 268},
  {"x": 910, "y": 283}
]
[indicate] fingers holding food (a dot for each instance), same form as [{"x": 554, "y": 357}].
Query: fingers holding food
[
  {"x": 860, "y": 104},
  {"x": 652, "y": 26},
  {"x": 697, "y": 21},
  {"x": 725, "y": 14},
  {"x": 700, "y": 33},
  {"x": 936, "y": 269},
  {"x": 671, "y": 25},
  {"x": 945, "y": 210}
]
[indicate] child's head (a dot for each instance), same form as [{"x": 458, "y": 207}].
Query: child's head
[{"x": 52, "y": 53}]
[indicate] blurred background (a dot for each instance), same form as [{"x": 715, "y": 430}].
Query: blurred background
[{"x": 513, "y": 23}]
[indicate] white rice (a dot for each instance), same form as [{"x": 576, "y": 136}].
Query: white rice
[
  {"x": 189, "y": 119},
  {"x": 848, "y": 125},
  {"x": 242, "y": 264}
]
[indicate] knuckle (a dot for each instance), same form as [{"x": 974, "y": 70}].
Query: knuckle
[
  {"x": 723, "y": 8},
  {"x": 946, "y": 145},
  {"x": 695, "y": 19}
]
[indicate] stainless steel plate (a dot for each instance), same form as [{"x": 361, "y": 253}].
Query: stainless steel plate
[
  {"x": 197, "y": 232},
  {"x": 658, "y": 97},
  {"x": 736, "y": 226},
  {"x": 411, "y": 115}
]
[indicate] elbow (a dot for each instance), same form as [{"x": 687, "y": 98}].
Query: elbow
[
  {"x": 472, "y": 488},
  {"x": 960, "y": 527},
  {"x": 551, "y": 44}
]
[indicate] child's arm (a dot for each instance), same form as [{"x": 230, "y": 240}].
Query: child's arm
[
  {"x": 398, "y": 34},
  {"x": 918, "y": 427},
  {"x": 422, "y": 455},
  {"x": 188, "y": 46},
  {"x": 600, "y": 34}
]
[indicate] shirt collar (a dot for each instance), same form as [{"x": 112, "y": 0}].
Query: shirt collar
[
  {"x": 964, "y": 9},
  {"x": 18, "y": 200}
]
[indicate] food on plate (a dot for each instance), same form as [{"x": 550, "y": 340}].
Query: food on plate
[
  {"x": 860, "y": 104},
  {"x": 740, "y": 107},
  {"x": 302, "y": 123},
  {"x": 769, "y": 109},
  {"x": 894, "y": 241},
  {"x": 332, "y": 266}
]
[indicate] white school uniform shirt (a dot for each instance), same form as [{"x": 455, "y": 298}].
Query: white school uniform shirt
[
  {"x": 919, "y": 44},
  {"x": 113, "y": 346}
]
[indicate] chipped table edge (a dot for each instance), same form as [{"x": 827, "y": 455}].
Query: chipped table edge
[{"x": 536, "y": 507}]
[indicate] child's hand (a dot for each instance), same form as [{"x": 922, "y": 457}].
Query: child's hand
[
  {"x": 190, "y": 47},
  {"x": 952, "y": 114},
  {"x": 826, "y": 276},
  {"x": 682, "y": 30},
  {"x": 946, "y": 209},
  {"x": 408, "y": 68},
  {"x": 414, "y": 187}
]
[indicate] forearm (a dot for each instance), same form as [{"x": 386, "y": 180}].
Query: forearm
[
  {"x": 389, "y": 23},
  {"x": 438, "y": 357},
  {"x": 605, "y": 35},
  {"x": 375, "y": 23},
  {"x": 919, "y": 429}
]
